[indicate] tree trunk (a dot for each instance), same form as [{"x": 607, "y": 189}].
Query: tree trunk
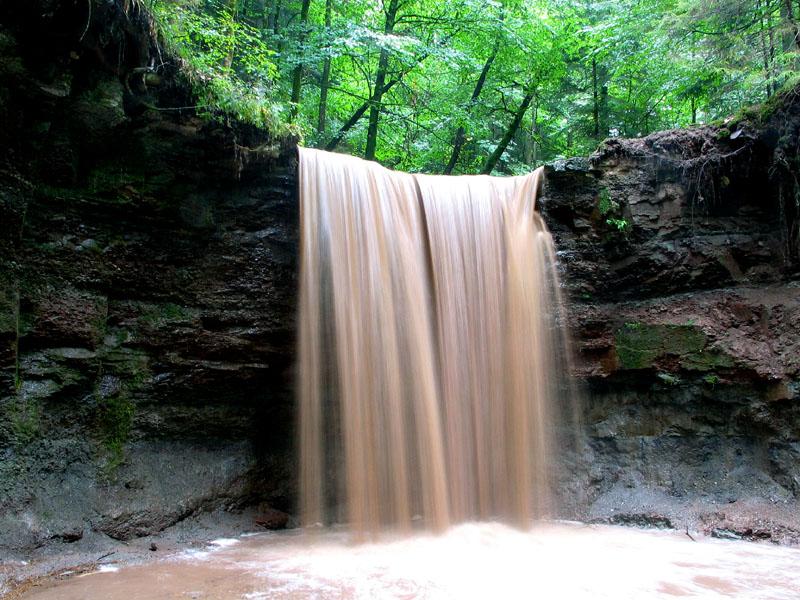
[
  {"x": 326, "y": 77},
  {"x": 491, "y": 162},
  {"x": 375, "y": 106},
  {"x": 355, "y": 118},
  {"x": 764, "y": 51},
  {"x": 458, "y": 141},
  {"x": 603, "y": 109},
  {"x": 261, "y": 14},
  {"x": 297, "y": 77},
  {"x": 275, "y": 16},
  {"x": 596, "y": 100},
  {"x": 380, "y": 82},
  {"x": 534, "y": 158},
  {"x": 771, "y": 31},
  {"x": 361, "y": 110},
  {"x": 794, "y": 33},
  {"x": 694, "y": 110},
  {"x": 228, "y": 62}
]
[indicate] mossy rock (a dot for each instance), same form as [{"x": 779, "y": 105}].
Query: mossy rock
[
  {"x": 46, "y": 373},
  {"x": 130, "y": 364},
  {"x": 33, "y": 390},
  {"x": 116, "y": 409},
  {"x": 641, "y": 346},
  {"x": 168, "y": 314},
  {"x": 114, "y": 423},
  {"x": 197, "y": 212},
  {"x": 65, "y": 316},
  {"x": 635, "y": 349},
  {"x": 707, "y": 360},
  {"x": 115, "y": 184},
  {"x": 20, "y": 416},
  {"x": 759, "y": 114},
  {"x": 115, "y": 419}
]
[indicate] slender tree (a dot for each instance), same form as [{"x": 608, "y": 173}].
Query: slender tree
[
  {"x": 512, "y": 128},
  {"x": 232, "y": 8},
  {"x": 380, "y": 82},
  {"x": 326, "y": 76},
  {"x": 297, "y": 76},
  {"x": 460, "y": 136},
  {"x": 365, "y": 106},
  {"x": 275, "y": 16}
]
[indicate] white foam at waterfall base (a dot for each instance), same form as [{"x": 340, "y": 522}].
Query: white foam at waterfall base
[
  {"x": 491, "y": 560},
  {"x": 469, "y": 561},
  {"x": 224, "y": 542},
  {"x": 107, "y": 569}
]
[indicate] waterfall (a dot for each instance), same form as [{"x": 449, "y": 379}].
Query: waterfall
[{"x": 431, "y": 347}]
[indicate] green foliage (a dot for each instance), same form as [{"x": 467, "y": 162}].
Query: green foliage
[
  {"x": 228, "y": 60},
  {"x": 578, "y": 72},
  {"x": 620, "y": 224},
  {"x": 711, "y": 379},
  {"x": 115, "y": 418},
  {"x": 604, "y": 204},
  {"x": 611, "y": 209},
  {"x": 24, "y": 417},
  {"x": 641, "y": 347}
]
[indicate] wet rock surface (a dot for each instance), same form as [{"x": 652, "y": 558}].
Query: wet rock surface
[
  {"x": 680, "y": 253},
  {"x": 148, "y": 293},
  {"x": 147, "y": 289}
]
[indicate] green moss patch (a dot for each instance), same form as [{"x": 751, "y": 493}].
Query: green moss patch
[
  {"x": 641, "y": 346},
  {"x": 127, "y": 363},
  {"x": 115, "y": 420},
  {"x": 158, "y": 315},
  {"x": 23, "y": 417},
  {"x": 707, "y": 359}
]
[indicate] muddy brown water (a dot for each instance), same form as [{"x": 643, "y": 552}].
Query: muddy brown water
[
  {"x": 480, "y": 561},
  {"x": 431, "y": 355}
]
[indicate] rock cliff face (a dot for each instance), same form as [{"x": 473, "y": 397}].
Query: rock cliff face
[
  {"x": 147, "y": 289},
  {"x": 147, "y": 302},
  {"x": 681, "y": 257}
]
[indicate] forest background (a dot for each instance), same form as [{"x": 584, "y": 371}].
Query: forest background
[{"x": 480, "y": 86}]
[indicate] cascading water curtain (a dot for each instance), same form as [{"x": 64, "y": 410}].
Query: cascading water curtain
[{"x": 431, "y": 361}]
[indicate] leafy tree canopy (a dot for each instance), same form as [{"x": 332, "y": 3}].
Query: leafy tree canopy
[{"x": 468, "y": 86}]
